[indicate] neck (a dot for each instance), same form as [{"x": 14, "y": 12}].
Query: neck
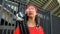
[{"x": 31, "y": 22}]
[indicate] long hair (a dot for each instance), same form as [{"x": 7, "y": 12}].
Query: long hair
[
  {"x": 36, "y": 20},
  {"x": 25, "y": 28},
  {"x": 36, "y": 17},
  {"x": 23, "y": 25}
]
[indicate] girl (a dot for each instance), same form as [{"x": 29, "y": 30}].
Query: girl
[{"x": 32, "y": 25}]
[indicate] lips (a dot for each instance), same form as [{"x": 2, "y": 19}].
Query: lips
[{"x": 30, "y": 12}]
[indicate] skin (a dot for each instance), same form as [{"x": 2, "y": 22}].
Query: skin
[{"x": 31, "y": 13}]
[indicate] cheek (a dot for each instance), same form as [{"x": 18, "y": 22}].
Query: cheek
[{"x": 34, "y": 12}]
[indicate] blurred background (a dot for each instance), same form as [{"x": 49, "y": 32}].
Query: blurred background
[{"x": 49, "y": 11}]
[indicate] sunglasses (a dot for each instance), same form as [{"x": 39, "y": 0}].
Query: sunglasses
[{"x": 30, "y": 9}]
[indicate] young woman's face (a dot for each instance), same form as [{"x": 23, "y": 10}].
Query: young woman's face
[{"x": 31, "y": 11}]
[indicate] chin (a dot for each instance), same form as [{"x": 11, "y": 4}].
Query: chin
[{"x": 31, "y": 16}]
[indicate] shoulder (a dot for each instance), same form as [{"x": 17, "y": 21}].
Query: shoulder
[
  {"x": 17, "y": 30},
  {"x": 41, "y": 28}
]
